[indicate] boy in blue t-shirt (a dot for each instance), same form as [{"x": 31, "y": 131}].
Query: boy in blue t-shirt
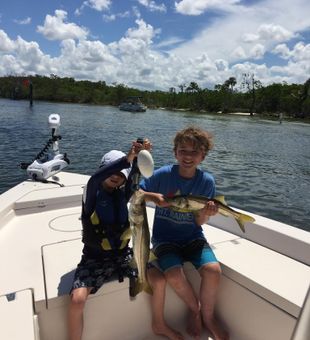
[{"x": 178, "y": 237}]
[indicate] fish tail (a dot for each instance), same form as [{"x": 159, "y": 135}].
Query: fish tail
[
  {"x": 242, "y": 219},
  {"x": 138, "y": 286},
  {"x": 147, "y": 288}
]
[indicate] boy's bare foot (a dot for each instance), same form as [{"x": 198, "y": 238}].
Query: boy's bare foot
[
  {"x": 167, "y": 331},
  {"x": 216, "y": 330},
  {"x": 194, "y": 325}
]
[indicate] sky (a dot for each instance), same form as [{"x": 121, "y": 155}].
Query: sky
[{"x": 157, "y": 44}]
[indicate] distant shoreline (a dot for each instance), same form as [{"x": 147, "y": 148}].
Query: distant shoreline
[
  {"x": 270, "y": 116},
  {"x": 241, "y": 113}
]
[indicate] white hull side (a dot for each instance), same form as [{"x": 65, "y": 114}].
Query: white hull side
[{"x": 265, "y": 273}]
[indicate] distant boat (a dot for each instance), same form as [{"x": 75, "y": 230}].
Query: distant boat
[{"x": 132, "y": 104}]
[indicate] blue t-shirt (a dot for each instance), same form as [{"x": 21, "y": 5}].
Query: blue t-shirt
[{"x": 169, "y": 225}]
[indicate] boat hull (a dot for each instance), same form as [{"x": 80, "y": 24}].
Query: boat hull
[
  {"x": 132, "y": 108},
  {"x": 265, "y": 272}
]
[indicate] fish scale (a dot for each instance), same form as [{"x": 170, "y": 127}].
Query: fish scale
[
  {"x": 192, "y": 203},
  {"x": 141, "y": 241}
]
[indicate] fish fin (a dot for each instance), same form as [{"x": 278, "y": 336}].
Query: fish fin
[
  {"x": 126, "y": 235},
  {"x": 147, "y": 288},
  {"x": 241, "y": 225},
  {"x": 242, "y": 219},
  {"x": 134, "y": 288},
  {"x": 152, "y": 256},
  {"x": 221, "y": 199}
]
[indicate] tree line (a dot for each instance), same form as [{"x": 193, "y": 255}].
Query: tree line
[{"x": 290, "y": 100}]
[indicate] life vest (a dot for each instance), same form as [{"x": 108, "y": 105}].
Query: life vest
[
  {"x": 111, "y": 236},
  {"x": 101, "y": 235}
]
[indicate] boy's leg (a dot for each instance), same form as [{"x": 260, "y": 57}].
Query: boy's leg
[
  {"x": 203, "y": 258},
  {"x": 210, "y": 280},
  {"x": 75, "y": 312},
  {"x": 170, "y": 260},
  {"x": 178, "y": 281},
  {"x": 88, "y": 278},
  {"x": 159, "y": 325}
]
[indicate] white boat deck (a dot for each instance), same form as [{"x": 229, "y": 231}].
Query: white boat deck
[{"x": 266, "y": 273}]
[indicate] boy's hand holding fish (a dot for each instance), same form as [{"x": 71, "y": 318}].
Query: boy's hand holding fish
[{"x": 202, "y": 215}]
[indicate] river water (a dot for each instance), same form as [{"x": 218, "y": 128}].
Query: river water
[{"x": 259, "y": 165}]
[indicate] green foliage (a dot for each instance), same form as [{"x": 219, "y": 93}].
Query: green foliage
[{"x": 291, "y": 100}]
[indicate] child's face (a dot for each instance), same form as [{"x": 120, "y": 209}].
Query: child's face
[
  {"x": 114, "y": 181},
  {"x": 188, "y": 156}
]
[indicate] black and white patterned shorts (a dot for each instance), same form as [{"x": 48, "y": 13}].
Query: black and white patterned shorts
[{"x": 93, "y": 273}]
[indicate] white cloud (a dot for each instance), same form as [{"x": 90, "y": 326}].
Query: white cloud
[
  {"x": 249, "y": 37},
  {"x": 136, "y": 12},
  {"x": 221, "y": 65},
  {"x": 274, "y": 32},
  {"x": 6, "y": 44},
  {"x": 55, "y": 28},
  {"x": 222, "y": 50},
  {"x": 268, "y": 32},
  {"x": 108, "y": 18},
  {"x": 144, "y": 31},
  {"x": 152, "y": 6},
  {"x": 9, "y": 65},
  {"x": 233, "y": 36},
  {"x": 238, "y": 53},
  {"x": 113, "y": 17},
  {"x": 257, "y": 51},
  {"x": 23, "y": 21},
  {"x": 98, "y": 5},
  {"x": 282, "y": 50},
  {"x": 293, "y": 72},
  {"x": 30, "y": 56},
  {"x": 197, "y": 7},
  {"x": 301, "y": 52},
  {"x": 24, "y": 57},
  {"x": 169, "y": 42}
]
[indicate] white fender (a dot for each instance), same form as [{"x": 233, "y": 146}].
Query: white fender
[{"x": 145, "y": 163}]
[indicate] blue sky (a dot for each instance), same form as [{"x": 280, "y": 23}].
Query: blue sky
[{"x": 154, "y": 44}]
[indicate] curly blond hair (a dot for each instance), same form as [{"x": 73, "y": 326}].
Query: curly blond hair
[{"x": 200, "y": 139}]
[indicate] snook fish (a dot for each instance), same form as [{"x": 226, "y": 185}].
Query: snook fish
[
  {"x": 141, "y": 241},
  {"x": 191, "y": 203}
]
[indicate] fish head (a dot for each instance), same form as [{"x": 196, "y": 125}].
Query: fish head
[{"x": 136, "y": 208}]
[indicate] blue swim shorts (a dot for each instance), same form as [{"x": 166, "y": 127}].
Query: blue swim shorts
[{"x": 171, "y": 255}]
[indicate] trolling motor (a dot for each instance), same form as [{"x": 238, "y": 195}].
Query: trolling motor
[{"x": 47, "y": 164}]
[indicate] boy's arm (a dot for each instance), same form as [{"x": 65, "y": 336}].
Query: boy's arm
[
  {"x": 156, "y": 198},
  {"x": 89, "y": 195}
]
